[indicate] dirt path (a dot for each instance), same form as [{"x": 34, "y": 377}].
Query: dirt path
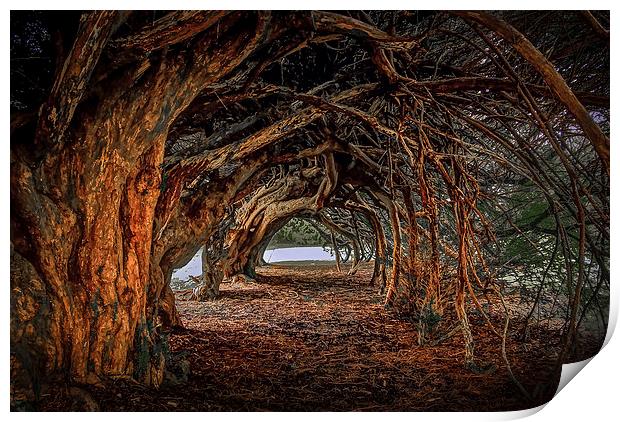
[{"x": 309, "y": 338}]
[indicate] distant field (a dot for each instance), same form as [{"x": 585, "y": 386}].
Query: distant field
[{"x": 307, "y": 263}]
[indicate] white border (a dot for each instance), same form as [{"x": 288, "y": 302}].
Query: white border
[{"x": 592, "y": 395}]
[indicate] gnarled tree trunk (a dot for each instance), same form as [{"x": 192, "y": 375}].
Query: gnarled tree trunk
[{"x": 83, "y": 205}]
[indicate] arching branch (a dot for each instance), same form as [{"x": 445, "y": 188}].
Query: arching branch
[{"x": 553, "y": 78}]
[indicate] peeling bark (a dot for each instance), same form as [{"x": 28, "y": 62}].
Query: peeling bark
[{"x": 91, "y": 202}]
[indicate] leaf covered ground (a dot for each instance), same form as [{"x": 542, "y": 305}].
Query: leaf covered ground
[{"x": 306, "y": 337}]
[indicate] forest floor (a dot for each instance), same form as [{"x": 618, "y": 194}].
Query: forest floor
[{"x": 307, "y": 338}]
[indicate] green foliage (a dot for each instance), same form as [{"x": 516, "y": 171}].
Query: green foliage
[{"x": 297, "y": 232}]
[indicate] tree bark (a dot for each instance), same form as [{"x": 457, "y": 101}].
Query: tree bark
[
  {"x": 392, "y": 286},
  {"x": 379, "y": 275},
  {"x": 83, "y": 213},
  {"x": 551, "y": 76},
  {"x": 273, "y": 205},
  {"x": 212, "y": 276}
]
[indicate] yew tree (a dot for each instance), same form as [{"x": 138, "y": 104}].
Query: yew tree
[{"x": 139, "y": 137}]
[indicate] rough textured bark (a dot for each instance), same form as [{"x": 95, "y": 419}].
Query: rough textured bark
[
  {"x": 256, "y": 221},
  {"x": 194, "y": 220},
  {"x": 274, "y": 204},
  {"x": 379, "y": 275},
  {"x": 72, "y": 81},
  {"x": 212, "y": 274},
  {"x": 91, "y": 201},
  {"x": 393, "y": 282},
  {"x": 348, "y": 235}
]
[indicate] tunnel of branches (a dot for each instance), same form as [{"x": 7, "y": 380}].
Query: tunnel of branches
[{"x": 427, "y": 143}]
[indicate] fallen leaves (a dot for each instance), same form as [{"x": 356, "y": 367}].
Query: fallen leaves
[{"x": 310, "y": 338}]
